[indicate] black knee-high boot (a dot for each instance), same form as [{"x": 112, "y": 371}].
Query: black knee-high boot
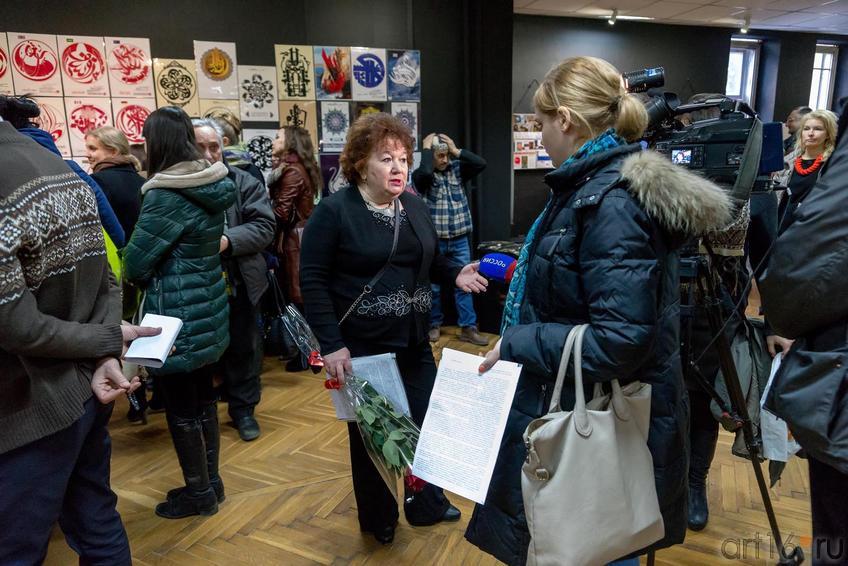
[
  {"x": 703, "y": 450},
  {"x": 198, "y": 497},
  {"x": 212, "y": 437}
]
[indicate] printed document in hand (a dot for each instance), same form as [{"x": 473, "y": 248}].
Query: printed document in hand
[
  {"x": 382, "y": 372},
  {"x": 465, "y": 422},
  {"x": 152, "y": 351}
]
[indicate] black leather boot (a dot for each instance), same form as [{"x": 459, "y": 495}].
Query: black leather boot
[
  {"x": 198, "y": 497},
  {"x": 212, "y": 437},
  {"x": 703, "y": 450}
]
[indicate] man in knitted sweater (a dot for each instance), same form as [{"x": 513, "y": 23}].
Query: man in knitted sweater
[{"x": 60, "y": 341}]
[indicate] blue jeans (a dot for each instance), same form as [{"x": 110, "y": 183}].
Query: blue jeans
[
  {"x": 628, "y": 562},
  {"x": 64, "y": 477},
  {"x": 457, "y": 250}
]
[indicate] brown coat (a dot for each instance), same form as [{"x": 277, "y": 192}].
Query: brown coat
[{"x": 293, "y": 199}]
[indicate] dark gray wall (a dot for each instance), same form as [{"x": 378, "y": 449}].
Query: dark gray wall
[{"x": 695, "y": 60}]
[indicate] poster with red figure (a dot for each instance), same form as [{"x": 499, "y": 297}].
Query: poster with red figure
[
  {"x": 85, "y": 114},
  {"x": 52, "y": 119},
  {"x": 35, "y": 64},
  {"x": 6, "y": 85},
  {"x": 332, "y": 72},
  {"x": 83, "y": 63},
  {"x": 130, "y": 115},
  {"x": 130, "y": 67}
]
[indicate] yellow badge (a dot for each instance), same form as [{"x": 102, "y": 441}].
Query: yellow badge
[{"x": 216, "y": 64}]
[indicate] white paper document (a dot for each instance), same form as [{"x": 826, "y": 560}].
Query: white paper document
[
  {"x": 464, "y": 425},
  {"x": 382, "y": 372},
  {"x": 152, "y": 351}
]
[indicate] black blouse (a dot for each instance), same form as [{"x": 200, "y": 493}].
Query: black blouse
[
  {"x": 799, "y": 187},
  {"x": 344, "y": 245}
]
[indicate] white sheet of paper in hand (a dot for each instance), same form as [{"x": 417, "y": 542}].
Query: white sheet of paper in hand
[
  {"x": 382, "y": 372},
  {"x": 152, "y": 351},
  {"x": 465, "y": 422}
]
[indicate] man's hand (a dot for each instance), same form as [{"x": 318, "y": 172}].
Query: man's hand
[
  {"x": 428, "y": 141},
  {"x": 225, "y": 244},
  {"x": 470, "y": 280},
  {"x": 108, "y": 381},
  {"x": 338, "y": 364},
  {"x": 776, "y": 343},
  {"x": 130, "y": 332},
  {"x": 454, "y": 151}
]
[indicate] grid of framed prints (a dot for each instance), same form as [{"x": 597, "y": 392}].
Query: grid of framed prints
[{"x": 84, "y": 82}]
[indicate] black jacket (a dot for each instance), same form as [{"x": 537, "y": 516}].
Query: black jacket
[
  {"x": 606, "y": 255},
  {"x": 122, "y": 186},
  {"x": 803, "y": 290},
  {"x": 340, "y": 254},
  {"x": 250, "y": 228}
]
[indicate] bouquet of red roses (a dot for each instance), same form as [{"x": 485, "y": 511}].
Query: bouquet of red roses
[{"x": 390, "y": 437}]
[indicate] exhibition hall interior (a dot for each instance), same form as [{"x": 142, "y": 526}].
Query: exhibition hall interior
[{"x": 424, "y": 282}]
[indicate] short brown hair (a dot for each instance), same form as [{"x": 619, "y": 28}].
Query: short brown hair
[{"x": 369, "y": 133}]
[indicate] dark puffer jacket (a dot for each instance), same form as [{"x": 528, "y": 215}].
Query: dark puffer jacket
[
  {"x": 174, "y": 256},
  {"x": 606, "y": 255}
]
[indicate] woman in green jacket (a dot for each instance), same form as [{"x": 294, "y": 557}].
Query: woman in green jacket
[{"x": 174, "y": 256}]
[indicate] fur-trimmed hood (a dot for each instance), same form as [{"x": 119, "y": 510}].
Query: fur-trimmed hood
[
  {"x": 682, "y": 201},
  {"x": 204, "y": 184}
]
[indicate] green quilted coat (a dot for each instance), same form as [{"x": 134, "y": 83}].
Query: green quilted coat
[{"x": 174, "y": 256}]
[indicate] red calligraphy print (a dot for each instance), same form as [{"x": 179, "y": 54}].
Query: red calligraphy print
[
  {"x": 129, "y": 64},
  {"x": 34, "y": 60},
  {"x": 83, "y": 63},
  {"x": 130, "y": 120},
  {"x": 49, "y": 121},
  {"x": 4, "y": 63},
  {"x": 86, "y": 117}
]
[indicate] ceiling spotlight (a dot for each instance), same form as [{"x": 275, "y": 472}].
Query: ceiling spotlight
[
  {"x": 746, "y": 24},
  {"x": 613, "y": 17}
]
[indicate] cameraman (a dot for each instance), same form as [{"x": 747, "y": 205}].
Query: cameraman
[
  {"x": 747, "y": 239},
  {"x": 804, "y": 292}
]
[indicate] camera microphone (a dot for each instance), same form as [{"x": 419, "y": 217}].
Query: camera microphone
[{"x": 498, "y": 267}]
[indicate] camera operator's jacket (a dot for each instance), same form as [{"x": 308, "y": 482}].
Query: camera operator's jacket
[{"x": 606, "y": 255}]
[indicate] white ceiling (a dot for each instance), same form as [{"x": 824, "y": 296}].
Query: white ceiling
[{"x": 829, "y": 16}]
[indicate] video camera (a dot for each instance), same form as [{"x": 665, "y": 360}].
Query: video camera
[{"x": 709, "y": 136}]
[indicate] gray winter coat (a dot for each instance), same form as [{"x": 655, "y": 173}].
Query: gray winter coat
[
  {"x": 250, "y": 229},
  {"x": 606, "y": 255}
]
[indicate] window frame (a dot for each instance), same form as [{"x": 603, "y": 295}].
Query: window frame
[
  {"x": 750, "y": 49},
  {"x": 823, "y": 49}
]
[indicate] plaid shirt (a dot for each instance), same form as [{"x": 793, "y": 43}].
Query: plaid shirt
[{"x": 448, "y": 203}]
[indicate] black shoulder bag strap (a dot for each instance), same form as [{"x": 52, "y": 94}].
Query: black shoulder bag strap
[{"x": 370, "y": 285}]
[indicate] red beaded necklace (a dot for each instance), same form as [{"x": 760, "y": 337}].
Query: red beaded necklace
[{"x": 801, "y": 170}]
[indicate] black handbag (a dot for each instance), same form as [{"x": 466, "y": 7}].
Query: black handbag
[
  {"x": 278, "y": 340},
  {"x": 809, "y": 393}
]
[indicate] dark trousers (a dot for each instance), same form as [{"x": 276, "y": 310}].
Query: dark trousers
[
  {"x": 63, "y": 477},
  {"x": 703, "y": 435},
  {"x": 829, "y": 503},
  {"x": 375, "y": 503},
  {"x": 185, "y": 394},
  {"x": 241, "y": 364}
]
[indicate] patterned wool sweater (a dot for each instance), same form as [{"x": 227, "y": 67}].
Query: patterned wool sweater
[{"x": 59, "y": 311}]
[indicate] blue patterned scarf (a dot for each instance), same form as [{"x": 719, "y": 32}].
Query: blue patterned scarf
[{"x": 515, "y": 296}]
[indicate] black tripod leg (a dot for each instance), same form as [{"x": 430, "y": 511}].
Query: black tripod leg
[
  {"x": 737, "y": 400},
  {"x": 652, "y": 557}
]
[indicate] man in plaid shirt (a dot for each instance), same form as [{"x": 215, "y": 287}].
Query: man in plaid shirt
[{"x": 441, "y": 182}]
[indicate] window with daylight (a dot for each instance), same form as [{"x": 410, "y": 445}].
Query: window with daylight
[
  {"x": 821, "y": 89},
  {"x": 742, "y": 69}
]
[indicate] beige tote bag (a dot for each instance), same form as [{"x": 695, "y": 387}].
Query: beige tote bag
[{"x": 588, "y": 480}]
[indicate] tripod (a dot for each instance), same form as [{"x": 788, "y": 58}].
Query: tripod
[{"x": 699, "y": 274}]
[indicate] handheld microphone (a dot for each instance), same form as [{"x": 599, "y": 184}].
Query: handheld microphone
[{"x": 498, "y": 267}]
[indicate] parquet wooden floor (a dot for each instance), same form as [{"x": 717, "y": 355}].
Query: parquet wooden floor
[{"x": 290, "y": 500}]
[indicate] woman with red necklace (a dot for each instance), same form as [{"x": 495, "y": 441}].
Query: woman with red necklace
[{"x": 815, "y": 142}]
